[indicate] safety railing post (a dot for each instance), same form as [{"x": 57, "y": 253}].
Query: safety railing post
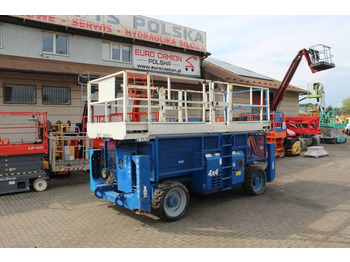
[
  {"x": 149, "y": 109},
  {"x": 205, "y": 100},
  {"x": 125, "y": 97},
  {"x": 106, "y": 108},
  {"x": 162, "y": 105},
  {"x": 186, "y": 113},
  {"x": 212, "y": 103},
  {"x": 179, "y": 106},
  {"x": 267, "y": 103},
  {"x": 261, "y": 105},
  {"x": 230, "y": 103},
  {"x": 89, "y": 118}
]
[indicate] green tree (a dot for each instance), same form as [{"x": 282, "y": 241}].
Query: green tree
[
  {"x": 346, "y": 105},
  {"x": 329, "y": 108}
]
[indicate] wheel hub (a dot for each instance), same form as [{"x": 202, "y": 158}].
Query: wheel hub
[
  {"x": 256, "y": 181},
  {"x": 172, "y": 201}
]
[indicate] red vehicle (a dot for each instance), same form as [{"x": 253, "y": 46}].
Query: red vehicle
[
  {"x": 22, "y": 151},
  {"x": 306, "y": 127}
]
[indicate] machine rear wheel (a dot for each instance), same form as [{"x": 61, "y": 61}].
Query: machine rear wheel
[
  {"x": 171, "y": 200},
  {"x": 39, "y": 184},
  {"x": 254, "y": 181}
]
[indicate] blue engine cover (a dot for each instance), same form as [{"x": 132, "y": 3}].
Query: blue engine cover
[
  {"x": 209, "y": 179},
  {"x": 213, "y": 170},
  {"x": 216, "y": 177}
]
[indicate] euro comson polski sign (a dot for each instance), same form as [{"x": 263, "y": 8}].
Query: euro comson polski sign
[
  {"x": 130, "y": 26},
  {"x": 151, "y": 59}
]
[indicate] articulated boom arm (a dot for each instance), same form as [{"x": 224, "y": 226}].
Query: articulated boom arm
[{"x": 318, "y": 60}]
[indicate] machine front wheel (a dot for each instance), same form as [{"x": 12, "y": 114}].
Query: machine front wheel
[
  {"x": 282, "y": 154},
  {"x": 39, "y": 184},
  {"x": 254, "y": 181},
  {"x": 171, "y": 200}
]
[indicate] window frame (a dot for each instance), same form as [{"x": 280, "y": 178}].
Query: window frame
[
  {"x": 12, "y": 85},
  {"x": 54, "y": 46},
  {"x": 56, "y": 87},
  {"x": 121, "y": 46}
]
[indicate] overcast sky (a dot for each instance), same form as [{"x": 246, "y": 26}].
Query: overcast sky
[{"x": 268, "y": 44}]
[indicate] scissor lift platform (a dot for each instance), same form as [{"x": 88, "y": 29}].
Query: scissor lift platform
[{"x": 165, "y": 105}]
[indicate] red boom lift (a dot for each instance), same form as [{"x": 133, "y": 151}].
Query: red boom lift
[{"x": 318, "y": 58}]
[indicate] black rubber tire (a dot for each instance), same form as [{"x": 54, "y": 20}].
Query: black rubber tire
[
  {"x": 253, "y": 175},
  {"x": 159, "y": 200},
  {"x": 314, "y": 141}
]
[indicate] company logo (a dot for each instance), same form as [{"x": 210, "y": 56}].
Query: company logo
[
  {"x": 212, "y": 173},
  {"x": 144, "y": 191},
  {"x": 190, "y": 66}
]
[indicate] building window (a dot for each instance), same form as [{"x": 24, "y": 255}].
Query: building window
[
  {"x": 52, "y": 95},
  {"x": 18, "y": 94},
  {"x": 55, "y": 44},
  {"x": 115, "y": 52}
]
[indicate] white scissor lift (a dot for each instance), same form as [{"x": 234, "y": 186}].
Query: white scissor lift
[{"x": 173, "y": 106}]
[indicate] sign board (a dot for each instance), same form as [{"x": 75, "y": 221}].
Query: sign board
[
  {"x": 130, "y": 26},
  {"x": 163, "y": 61}
]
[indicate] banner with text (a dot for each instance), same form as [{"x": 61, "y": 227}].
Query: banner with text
[
  {"x": 152, "y": 59},
  {"x": 130, "y": 26}
]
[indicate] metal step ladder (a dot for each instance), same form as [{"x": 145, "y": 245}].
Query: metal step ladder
[{"x": 226, "y": 155}]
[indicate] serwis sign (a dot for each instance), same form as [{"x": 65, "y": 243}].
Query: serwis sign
[
  {"x": 152, "y": 59},
  {"x": 135, "y": 27}
]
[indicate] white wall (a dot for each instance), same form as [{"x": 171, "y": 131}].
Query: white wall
[{"x": 27, "y": 42}]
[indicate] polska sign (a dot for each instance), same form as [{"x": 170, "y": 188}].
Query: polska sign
[
  {"x": 135, "y": 27},
  {"x": 152, "y": 59}
]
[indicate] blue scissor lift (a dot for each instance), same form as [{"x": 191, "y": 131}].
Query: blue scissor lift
[{"x": 154, "y": 163}]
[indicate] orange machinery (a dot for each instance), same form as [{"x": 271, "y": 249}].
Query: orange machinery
[{"x": 277, "y": 133}]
